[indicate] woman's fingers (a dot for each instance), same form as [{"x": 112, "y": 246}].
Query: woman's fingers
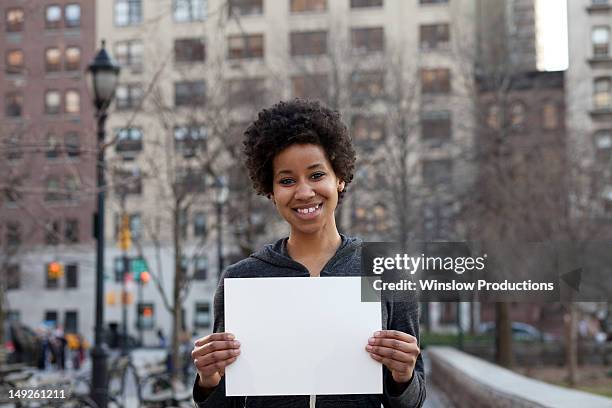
[
  {"x": 393, "y": 344},
  {"x": 396, "y": 335},
  {"x": 397, "y": 350},
  {"x": 214, "y": 337},
  {"x": 217, "y": 361},
  {"x": 214, "y": 346},
  {"x": 214, "y": 352}
]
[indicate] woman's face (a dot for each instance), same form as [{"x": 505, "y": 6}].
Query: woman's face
[{"x": 305, "y": 188}]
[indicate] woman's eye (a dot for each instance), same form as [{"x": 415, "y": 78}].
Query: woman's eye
[
  {"x": 285, "y": 181},
  {"x": 317, "y": 175}
]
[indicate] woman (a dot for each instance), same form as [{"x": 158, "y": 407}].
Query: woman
[{"x": 299, "y": 154}]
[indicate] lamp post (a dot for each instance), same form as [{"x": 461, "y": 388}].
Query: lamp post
[
  {"x": 103, "y": 73},
  {"x": 221, "y": 192}
]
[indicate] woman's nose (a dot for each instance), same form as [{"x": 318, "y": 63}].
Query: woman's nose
[{"x": 304, "y": 191}]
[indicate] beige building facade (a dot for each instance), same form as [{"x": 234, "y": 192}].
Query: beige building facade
[{"x": 196, "y": 71}]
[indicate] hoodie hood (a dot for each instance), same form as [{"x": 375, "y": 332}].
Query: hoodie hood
[{"x": 276, "y": 254}]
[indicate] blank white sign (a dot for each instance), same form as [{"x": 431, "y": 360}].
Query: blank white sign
[{"x": 301, "y": 336}]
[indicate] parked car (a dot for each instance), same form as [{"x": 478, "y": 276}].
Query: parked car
[{"x": 520, "y": 332}]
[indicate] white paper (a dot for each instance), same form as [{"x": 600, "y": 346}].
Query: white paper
[{"x": 301, "y": 336}]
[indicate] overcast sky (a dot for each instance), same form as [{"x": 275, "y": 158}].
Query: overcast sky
[{"x": 551, "y": 21}]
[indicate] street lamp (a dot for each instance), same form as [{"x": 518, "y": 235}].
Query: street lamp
[
  {"x": 221, "y": 192},
  {"x": 103, "y": 73}
]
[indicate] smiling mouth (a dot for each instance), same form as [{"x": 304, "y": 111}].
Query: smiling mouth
[{"x": 309, "y": 212}]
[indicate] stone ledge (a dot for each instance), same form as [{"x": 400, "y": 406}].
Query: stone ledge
[{"x": 470, "y": 381}]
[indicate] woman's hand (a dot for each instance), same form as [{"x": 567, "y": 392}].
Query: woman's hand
[
  {"x": 397, "y": 350},
  {"x": 212, "y": 354}
]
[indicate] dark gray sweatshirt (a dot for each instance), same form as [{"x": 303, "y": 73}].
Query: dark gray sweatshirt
[{"x": 397, "y": 314}]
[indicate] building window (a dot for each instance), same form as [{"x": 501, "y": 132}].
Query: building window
[
  {"x": 53, "y": 16},
  {"x": 71, "y": 231},
  {"x": 72, "y": 276},
  {"x": 72, "y": 103},
  {"x": 13, "y": 148},
  {"x": 517, "y": 115},
  {"x": 189, "y": 10},
  {"x": 53, "y": 101},
  {"x": 71, "y": 321},
  {"x": 73, "y": 15},
  {"x": 191, "y": 180},
  {"x": 72, "y": 144},
  {"x": 366, "y": 3},
  {"x": 245, "y": 7},
  {"x": 313, "y": 87},
  {"x": 436, "y": 127},
  {"x": 128, "y": 96},
  {"x": 366, "y": 40},
  {"x": 136, "y": 226},
  {"x": 189, "y": 50},
  {"x": 433, "y": 1},
  {"x": 493, "y": 117},
  {"x": 11, "y": 193},
  {"x": 14, "y": 20},
  {"x": 129, "y": 54},
  {"x": 190, "y": 140},
  {"x": 13, "y": 277},
  {"x": 13, "y": 234},
  {"x": 201, "y": 316},
  {"x": 245, "y": 46},
  {"x": 129, "y": 140},
  {"x": 199, "y": 225},
  {"x": 14, "y": 62},
  {"x": 550, "y": 116},
  {"x": 53, "y": 191},
  {"x": 52, "y": 233},
  {"x": 249, "y": 91},
  {"x": 435, "y": 81},
  {"x": 300, "y": 6},
  {"x": 600, "y": 37},
  {"x": 602, "y": 96},
  {"x": 53, "y": 148},
  {"x": 307, "y": 43},
  {"x": 128, "y": 12},
  {"x": 53, "y": 59},
  {"x": 146, "y": 316},
  {"x": 51, "y": 318},
  {"x": 436, "y": 172},
  {"x": 71, "y": 187},
  {"x": 128, "y": 182},
  {"x": 438, "y": 220},
  {"x": 603, "y": 147},
  {"x": 13, "y": 104},
  {"x": 368, "y": 131},
  {"x": 366, "y": 87},
  {"x": 189, "y": 93},
  {"x": 73, "y": 59},
  {"x": 434, "y": 36},
  {"x": 200, "y": 268}
]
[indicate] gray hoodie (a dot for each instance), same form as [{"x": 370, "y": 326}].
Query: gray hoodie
[{"x": 398, "y": 314}]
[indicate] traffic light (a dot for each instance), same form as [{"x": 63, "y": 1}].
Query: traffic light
[
  {"x": 55, "y": 270},
  {"x": 140, "y": 269},
  {"x": 145, "y": 277},
  {"x": 125, "y": 235}
]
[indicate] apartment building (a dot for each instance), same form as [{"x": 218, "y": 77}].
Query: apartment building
[
  {"x": 589, "y": 98},
  {"x": 196, "y": 71},
  {"x": 47, "y": 144}
]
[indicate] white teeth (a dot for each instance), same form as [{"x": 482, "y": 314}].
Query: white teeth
[{"x": 308, "y": 210}]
